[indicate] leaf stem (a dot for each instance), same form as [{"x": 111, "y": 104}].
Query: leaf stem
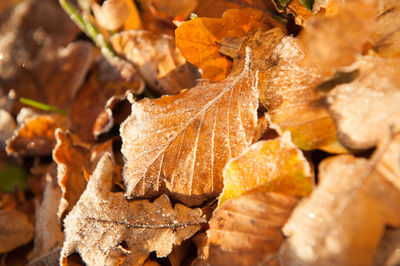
[{"x": 42, "y": 106}]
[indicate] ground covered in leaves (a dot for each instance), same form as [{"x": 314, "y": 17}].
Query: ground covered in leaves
[{"x": 214, "y": 132}]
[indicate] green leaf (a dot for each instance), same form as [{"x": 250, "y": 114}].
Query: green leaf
[
  {"x": 11, "y": 176},
  {"x": 308, "y": 3}
]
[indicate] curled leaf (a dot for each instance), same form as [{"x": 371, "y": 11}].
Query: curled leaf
[
  {"x": 180, "y": 144},
  {"x": 103, "y": 220},
  {"x": 275, "y": 165}
]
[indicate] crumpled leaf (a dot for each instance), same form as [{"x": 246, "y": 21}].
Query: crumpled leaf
[
  {"x": 48, "y": 234},
  {"x": 247, "y": 230},
  {"x": 108, "y": 78},
  {"x": 275, "y": 165},
  {"x": 199, "y": 39},
  {"x": 113, "y": 14},
  {"x": 288, "y": 90},
  {"x": 343, "y": 220},
  {"x": 35, "y": 136},
  {"x": 386, "y": 34},
  {"x": 366, "y": 109},
  {"x": 102, "y": 220},
  {"x": 159, "y": 62},
  {"x": 73, "y": 160},
  {"x": 180, "y": 144},
  {"x": 15, "y": 230},
  {"x": 336, "y": 40}
]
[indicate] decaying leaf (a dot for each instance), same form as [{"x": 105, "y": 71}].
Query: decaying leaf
[
  {"x": 247, "y": 230},
  {"x": 48, "y": 234},
  {"x": 107, "y": 229},
  {"x": 216, "y": 8},
  {"x": 7, "y": 126},
  {"x": 388, "y": 252},
  {"x": 275, "y": 165},
  {"x": 386, "y": 35},
  {"x": 15, "y": 230},
  {"x": 159, "y": 62},
  {"x": 35, "y": 137},
  {"x": 199, "y": 39},
  {"x": 288, "y": 90},
  {"x": 344, "y": 219},
  {"x": 180, "y": 144},
  {"x": 72, "y": 162},
  {"x": 366, "y": 109}
]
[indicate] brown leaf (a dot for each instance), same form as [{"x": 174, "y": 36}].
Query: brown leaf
[
  {"x": 7, "y": 127},
  {"x": 247, "y": 230},
  {"x": 366, "y": 109},
  {"x": 345, "y": 217},
  {"x": 15, "y": 230},
  {"x": 159, "y": 62},
  {"x": 180, "y": 144},
  {"x": 72, "y": 161},
  {"x": 287, "y": 90},
  {"x": 102, "y": 220},
  {"x": 386, "y": 34},
  {"x": 388, "y": 251},
  {"x": 48, "y": 234},
  {"x": 35, "y": 137}
]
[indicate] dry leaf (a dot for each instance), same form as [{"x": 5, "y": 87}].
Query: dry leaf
[
  {"x": 180, "y": 144},
  {"x": 247, "y": 230},
  {"x": 73, "y": 160},
  {"x": 48, "y": 234},
  {"x": 170, "y": 9},
  {"x": 35, "y": 137},
  {"x": 366, "y": 109},
  {"x": 288, "y": 90},
  {"x": 15, "y": 230},
  {"x": 113, "y": 14},
  {"x": 386, "y": 35},
  {"x": 336, "y": 40},
  {"x": 7, "y": 127},
  {"x": 343, "y": 220},
  {"x": 199, "y": 39},
  {"x": 106, "y": 229},
  {"x": 275, "y": 165},
  {"x": 158, "y": 60},
  {"x": 216, "y": 8}
]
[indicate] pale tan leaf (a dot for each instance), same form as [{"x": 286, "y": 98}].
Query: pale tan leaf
[
  {"x": 247, "y": 230},
  {"x": 344, "y": 219},
  {"x": 366, "y": 109},
  {"x": 180, "y": 144},
  {"x": 106, "y": 229},
  {"x": 15, "y": 230}
]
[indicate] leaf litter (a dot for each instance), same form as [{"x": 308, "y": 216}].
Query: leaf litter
[{"x": 199, "y": 132}]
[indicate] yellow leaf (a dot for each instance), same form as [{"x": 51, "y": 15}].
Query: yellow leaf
[{"x": 274, "y": 165}]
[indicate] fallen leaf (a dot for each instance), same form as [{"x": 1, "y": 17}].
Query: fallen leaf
[
  {"x": 113, "y": 14},
  {"x": 275, "y": 165},
  {"x": 7, "y": 127},
  {"x": 199, "y": 39},
  {"x": 171, "y": 9},
  {"x": 159, "y": 62},
  {"x": 180, "y": 144},
  {"x": 51, "y": 258},
  {"x": 288, "y": 90},
  {"x": 15, "y": 230},
  {"x": 48, "y": 234},
  {"x": 353, "y": 22},
  {"x": 366, "y": 109},
  {"x": 343, "y": 220},
  {"x": 247, "y": 230},
  {"x": 103, "y": 220},
  {"x": 72, "y": 161},
  {"x": 12, "y": 176},
  {"x": 386, "y": 36},
  {"x": 299, "y": 10},
  {"x": 35, "y": 137},
  {"x": 216, "y": 8}
]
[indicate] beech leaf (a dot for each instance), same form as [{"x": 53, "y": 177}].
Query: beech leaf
[
  {"x": 344, "y": 219},
  {"x": 102, "y": 220},
  {"x": 180, "y": 144},
  {"x": 275, "y": 165},
  {"x": 247, "y": 230}
]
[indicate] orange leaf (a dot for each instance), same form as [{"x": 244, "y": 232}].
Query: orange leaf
[{"x": 199, "y": 39}]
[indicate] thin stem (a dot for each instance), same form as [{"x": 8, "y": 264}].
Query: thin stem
[{"x": 42, "y": 106}]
